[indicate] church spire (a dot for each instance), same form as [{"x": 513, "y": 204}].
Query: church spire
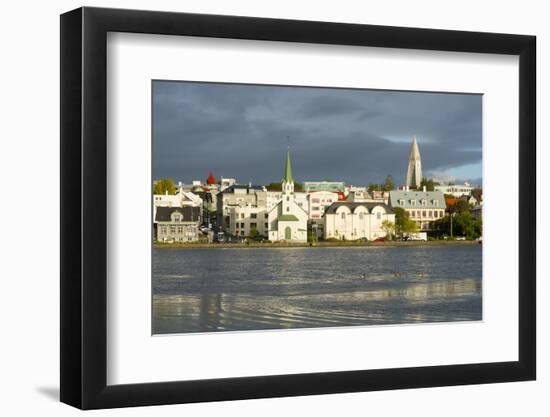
[
  {"x": 288, "y": 168},
  {"x": 414, "y": 170}
]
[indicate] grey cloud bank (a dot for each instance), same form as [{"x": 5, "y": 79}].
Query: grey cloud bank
[{"x": 357, "y": 136}]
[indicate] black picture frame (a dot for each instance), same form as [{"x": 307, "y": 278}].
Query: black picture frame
[{"x": 84, "y": 207}]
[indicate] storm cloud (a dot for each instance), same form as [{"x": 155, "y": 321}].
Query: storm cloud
[{"x": 357, "y": 136}]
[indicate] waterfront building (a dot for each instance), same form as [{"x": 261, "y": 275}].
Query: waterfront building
[
  {"x": 318, "y": 201},
  {"x": 233, "y": 198},
  {"x": 287, "y": 220},
  {"x": 456, "y": 190},
  {"x": 180, "y": 199},
  {"x": 352, "y": 221},
  {"x": 414, "y": 169},
  {"x": 177, "y": 224},
  {"x": 244, "y": 219},
  {"x": 424, "y": 207}
]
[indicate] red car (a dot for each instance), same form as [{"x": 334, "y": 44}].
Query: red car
[{"x": 379, "y": 239}]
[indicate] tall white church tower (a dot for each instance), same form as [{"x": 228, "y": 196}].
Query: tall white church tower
[
  {"x": 287, "y": 185},
  {"x": 414, "y": 170}
]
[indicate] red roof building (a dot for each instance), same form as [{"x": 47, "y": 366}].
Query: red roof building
[{"x": 211, "y": 180}]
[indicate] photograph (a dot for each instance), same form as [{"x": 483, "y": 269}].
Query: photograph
[{"x": 281, "y": 207}]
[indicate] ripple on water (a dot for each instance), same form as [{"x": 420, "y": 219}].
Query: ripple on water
[{"x": 213, "y": 290}]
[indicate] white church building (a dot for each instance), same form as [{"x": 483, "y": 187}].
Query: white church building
[{"x": 288, "y": 220}]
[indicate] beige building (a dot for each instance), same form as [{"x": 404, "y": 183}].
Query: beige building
[
  {"x": 233, "y": 198},
  {"x": 177, "y": 224},
  {"x": 424, "y": 207},
  {"x": 352, "y": 221}
]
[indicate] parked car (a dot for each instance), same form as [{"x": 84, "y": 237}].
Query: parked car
[{"x": 379, "y": 239}]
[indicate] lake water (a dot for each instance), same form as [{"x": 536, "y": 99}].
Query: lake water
[{"x": 208, "y": 290}]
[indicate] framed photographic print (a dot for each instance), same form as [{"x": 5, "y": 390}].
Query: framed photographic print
[{"x": 257, "y": 208}]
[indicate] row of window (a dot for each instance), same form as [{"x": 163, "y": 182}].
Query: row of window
[
  {"x": 254, "y": 215},
  {"x": 189, "y": 231},
  {"x": 424, "y": 213},
  {"x": 361, "y": 215},
  {"x": 252, "y": 225},
  {"x": 423, "y": 202}
]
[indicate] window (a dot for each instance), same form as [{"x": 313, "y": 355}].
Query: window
[
  {"x": 343, "y": 215},
  {"x": 435, "y": 203},
  {"x": 266, "y": 226},
  {"x": 242, "y": 215},
  {"x": 430, "y": 213},
  {"x": 378, "y": 216},
  {"x": 287, "y": 198},
  {"x": 423, "y": 213},
  {"x": 288, "y": 209},
  {"x": 314, "y": 208},
  {"x": 266, "y": 215},
  {"x": 253, "y": 215},
  {"x": 401, "y": 202},
  {"x": 253, "y": 225},
  {"x": 180, "y": 229},
  {"x": 236, "y": 225},
  {"x": 360, "y": 216},
  {"x": 315, "y": 201},
  {"x": 413, "y": 202},
  {"x": 424, "y": 202},
  {"x": 242, "y": 225},
  {"x": 242, "y": 232},
  {"x": 172, "y": 229}
]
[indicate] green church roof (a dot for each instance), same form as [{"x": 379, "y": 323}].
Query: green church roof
[{"x": 287, "y": 218}]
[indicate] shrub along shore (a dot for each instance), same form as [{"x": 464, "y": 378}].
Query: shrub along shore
[{"x": 343, "y": 243}]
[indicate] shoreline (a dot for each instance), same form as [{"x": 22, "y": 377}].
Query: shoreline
[{"x": 308, "y": 245}]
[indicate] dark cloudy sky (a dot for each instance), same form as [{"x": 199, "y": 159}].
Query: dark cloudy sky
[{"x": 357, "y": 136}]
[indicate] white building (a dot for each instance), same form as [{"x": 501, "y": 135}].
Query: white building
[
  {"x": 180, "y": 199},
  {"x": 287, "y": 220},
  {"x": 352, "y": 221},
  {"x": 244, "y": 219},
  {"x": 455, "y": 190}
]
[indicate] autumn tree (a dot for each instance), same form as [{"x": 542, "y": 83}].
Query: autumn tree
[{"x": 164, "y": 186}]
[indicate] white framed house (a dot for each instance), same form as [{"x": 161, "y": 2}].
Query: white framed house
[{"x": 353, "y": 221}]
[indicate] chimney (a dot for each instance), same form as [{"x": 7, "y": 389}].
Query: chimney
[{"x": 424, "y": 188}]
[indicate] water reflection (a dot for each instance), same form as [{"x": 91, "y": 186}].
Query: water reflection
[{"x": 236, "y": 289}]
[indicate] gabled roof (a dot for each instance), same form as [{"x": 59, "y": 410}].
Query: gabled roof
[
  {"x": 417, "y": 196},
  {"x": 190, "y": 214},
  {"x": 352, "y": 206}
]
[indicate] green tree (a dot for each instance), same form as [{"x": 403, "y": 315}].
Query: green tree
[
  {"x": 460, "y": 206},
  {"x": 428, "y": 183},
  {"x": 164, "y": 186},
  {"x": 389, "y": 183},
  {"x": 403, "y": 223},
  {"x": 464, "y": 224},
  {"x": 374, "y": 187},
  {"x": 254, "y": 234},
  {"x": 277, "y": 186},
  {"x": 389, "y": 228}
]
